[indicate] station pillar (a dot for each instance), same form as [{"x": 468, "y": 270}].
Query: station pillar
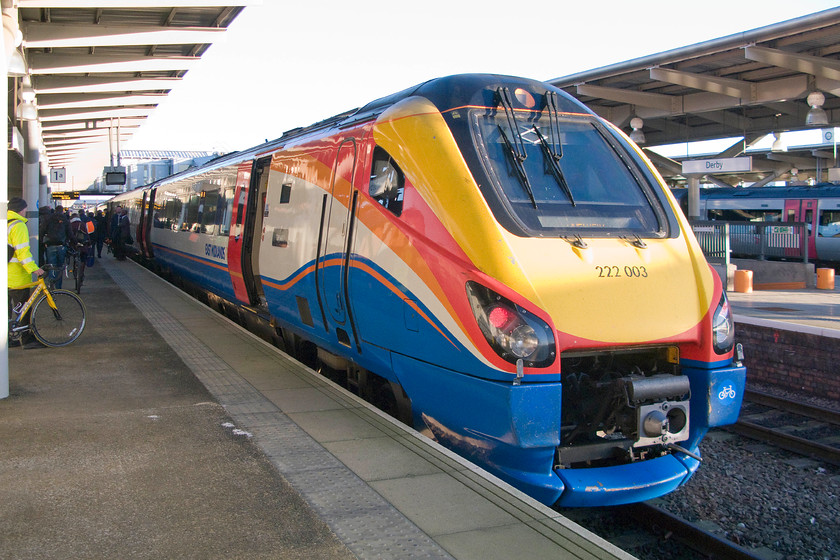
[{"x": 693, "y": 197}]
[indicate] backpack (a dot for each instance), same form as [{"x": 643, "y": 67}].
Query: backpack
[
  {"x": 80, "y": 234},
  {"x": 56, "y": 233}
]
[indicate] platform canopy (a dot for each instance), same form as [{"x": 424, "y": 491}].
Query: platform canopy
[
  {"x": 743, "y": 87},
  {"x": 98, "y": 68}
]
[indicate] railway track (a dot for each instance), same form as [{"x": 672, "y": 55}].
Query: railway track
[
  {"x": 652, "y": 533},
  {"x": 706, "y": 544},
  {"x": 791, "y": 425},
  {"x": 649, "y": 532}
]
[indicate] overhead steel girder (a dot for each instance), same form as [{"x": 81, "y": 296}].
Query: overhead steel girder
[
  {"x": 666, "y": 104},
  {"x": 130, "y": 3},
  {"x": 650, "y": 105},
  {"x": 81, "y": 101},
  {"x": 54, "y": 35},
  {"x": 55, "y": 143},
  {"x": 799, "y": 162},
  {"x": 741, "y": 145},
  {"x": 82, "y": 132},
  {"x": 728, "y": 118},
  {"x": 93, "y": 114},
  {"x": 663, "y": 163},
  {"x": 99, "y": 123},
  {"x": 71, "y": 64},
  {"x": 69, "y": 150},
  {"x": 730, "y": 87},
  {"x": 807, "y": 64},
  {"x": 48, "y": 85}
]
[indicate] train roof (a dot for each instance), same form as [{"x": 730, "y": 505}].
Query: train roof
[
  {"x": 459, "y": 90},
  {"x": 823, "y": 190}
]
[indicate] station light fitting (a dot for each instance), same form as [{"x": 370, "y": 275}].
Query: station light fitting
[
  {"x": 27, "y": 92},
  {"x": 16, "y": 65},
  {"x": 27, "y": 111},
  {"x": 816, "y": 115},
  {"x": 637, "y": 135}
]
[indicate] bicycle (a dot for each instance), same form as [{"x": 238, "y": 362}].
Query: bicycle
[
  {"x": 57, "y": 317},
  {"x": 75, "y": 264}
]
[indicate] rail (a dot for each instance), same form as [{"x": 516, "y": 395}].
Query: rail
[
  {"x": 709, "y": 544},
  {"x": 783, "y": 439},
  {"x": 762, "y": 240}
]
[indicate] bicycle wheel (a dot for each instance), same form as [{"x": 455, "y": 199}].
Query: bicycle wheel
[
  {"x": 79, "y": 268},
  {"x": 59, "y": 326},
  {"x": 69, "y": 266}
]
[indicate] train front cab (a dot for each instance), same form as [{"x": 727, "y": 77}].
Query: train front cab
[{"x": 510, "y": 417}]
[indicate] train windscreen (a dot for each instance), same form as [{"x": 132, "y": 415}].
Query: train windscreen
[{"x": 561, "y": 174}]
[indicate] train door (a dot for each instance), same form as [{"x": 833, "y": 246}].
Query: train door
[
  {"x": 246, "y": 231},
  {"x": 139, "y": 232},
  {"x": 333, "y": 251},
  {"x": 237, "y": 227},
  {"x": 148, "y": 223},
  {"x": 804, "y": 210},
  {"x": 254, "y": 231}
]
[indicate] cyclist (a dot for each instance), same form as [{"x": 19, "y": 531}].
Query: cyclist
[
  {"x": 56, "y": 236},
  {"x": 21, "y": 263}
]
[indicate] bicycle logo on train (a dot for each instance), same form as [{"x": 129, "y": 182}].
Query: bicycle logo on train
[{"x": 727, "y": 393}]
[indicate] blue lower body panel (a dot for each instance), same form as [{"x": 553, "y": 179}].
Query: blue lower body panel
[
  {"x": 510, "y": 430},
  {"x": 716, "y": 394},
  {"x": 623, "y": 484},
  {"x": 513, "y": 431}
]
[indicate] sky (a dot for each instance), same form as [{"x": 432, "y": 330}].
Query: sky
[{"x": 285, "y": 63}]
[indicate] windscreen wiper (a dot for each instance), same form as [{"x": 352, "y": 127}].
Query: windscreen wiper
[
  {"x": 518, "y": 166},
  {"x": 553, "y": 124},
  {"x": 554, "y": 164},
  {"x": 553, "y": 147},
  {"x": 516, "y": 149}
]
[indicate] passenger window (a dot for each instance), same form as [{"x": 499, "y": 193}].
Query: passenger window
[
  {"x": 195, "y": 207},
  {"x": 387, "y": 184},
  {"x": 208, "y": 216},
  {"x": 225, "y": 211},
  {"x": 829, "y": 223},
  {"x": 171, "y": 211}
]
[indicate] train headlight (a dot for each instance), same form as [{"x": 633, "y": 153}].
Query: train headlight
[
  {"x": 723, "y": 329},
  {"x": 511, "y": 331},
  {"x": 523, "y": 341}
]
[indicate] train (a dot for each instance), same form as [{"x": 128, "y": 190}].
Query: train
[
  {"x": 817, "y": 206},
  {"x": 486, "y": 259}
]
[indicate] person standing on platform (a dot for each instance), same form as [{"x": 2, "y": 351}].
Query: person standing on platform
[
  {"x": 121, "y": 236},
  {"x": 56, "y": 234},
  {"x": 21, "y": 263},
  {"x": 101, "y": 231},
  {"x": 91, "y": 224},
  {"x": 115, "y": 219},
  {"x": 80, "y": 241},
  {"x": 43, "y": 214}
]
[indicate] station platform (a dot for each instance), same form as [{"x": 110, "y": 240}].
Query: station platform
[
  {"x": 807, "y": 310},
  {"x": 167, "y": 431}
]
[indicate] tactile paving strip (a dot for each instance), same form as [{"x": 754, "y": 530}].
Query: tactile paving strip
[{"x": 367, "y": 524}]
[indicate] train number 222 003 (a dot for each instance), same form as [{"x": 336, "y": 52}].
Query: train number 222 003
[{"x": 618, "y": 272}]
